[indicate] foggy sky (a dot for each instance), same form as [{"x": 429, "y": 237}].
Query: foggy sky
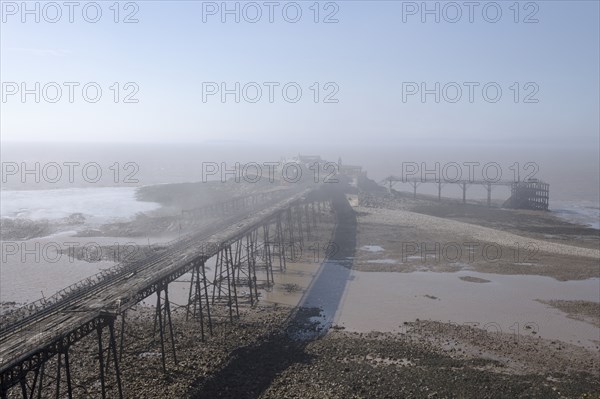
[{"x": 368, "y": 55}]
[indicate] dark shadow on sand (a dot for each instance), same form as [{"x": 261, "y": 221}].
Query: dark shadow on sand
[{"x": 252, "y": 369}]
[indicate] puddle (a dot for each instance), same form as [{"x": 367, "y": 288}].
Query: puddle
[
  {"x": 371, "y": 248},
  {"x": 384, "y": 261},
  {"x": 298, "y": 276},
  {"x": 382, "y": 301}
]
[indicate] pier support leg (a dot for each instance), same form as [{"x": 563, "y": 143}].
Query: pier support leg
[
  {"x": 41, "y": 383},
  {"x": 298, "y": 212},
  {"x": 24, "y": 389},
  {"x": 232, "y": 299},
  {"x": 307, "y": 222},
  {"x": 268, "y": 257},
  {"x": 198, "y": 297},
  {"x": 167, "y": 306},
  {"x": 101, "y": 361},
  {"x": 216, "y": 281},
  {"x": 290, "y": 231},
  {"x": 160, "y": 327},
  {"x": 68, "y": 373},
  {"x": 252, "y": 252},
  {"x": 205, "y": 282},
  {"x": 163, "y": 315},
  {"x": 122, "y": 337},
  {"x": 197, "y": 292},
  {"x": 191, "y": 301},
  {"x": 281, "y": 242},
  {"x": 251, "y": 264},
  {"x": 58, "y": 367},
  {"x": 414, "y": 185},
  {"x": 113, "y": 347},
  {"x": 23, "y": 383}
]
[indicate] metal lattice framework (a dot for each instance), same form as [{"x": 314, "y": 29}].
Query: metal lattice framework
[
  {"x": 42, "y": 333},
  {"x": 530, "y": 194}
]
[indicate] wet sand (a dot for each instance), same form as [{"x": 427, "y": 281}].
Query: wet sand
[
  {"x": 455, "y": 231},
  {"x": 398, "y": 275},
  {"x": 291, "y": 286},
  {"x": 417, "y": 242},
  {"x": 587, "y": 311},
  {"x": 487, "y": 314}
]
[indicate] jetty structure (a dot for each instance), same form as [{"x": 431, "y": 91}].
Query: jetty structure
[
  {"x": 252, "y": 233},
  {"x": 531, "y": 194}
]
